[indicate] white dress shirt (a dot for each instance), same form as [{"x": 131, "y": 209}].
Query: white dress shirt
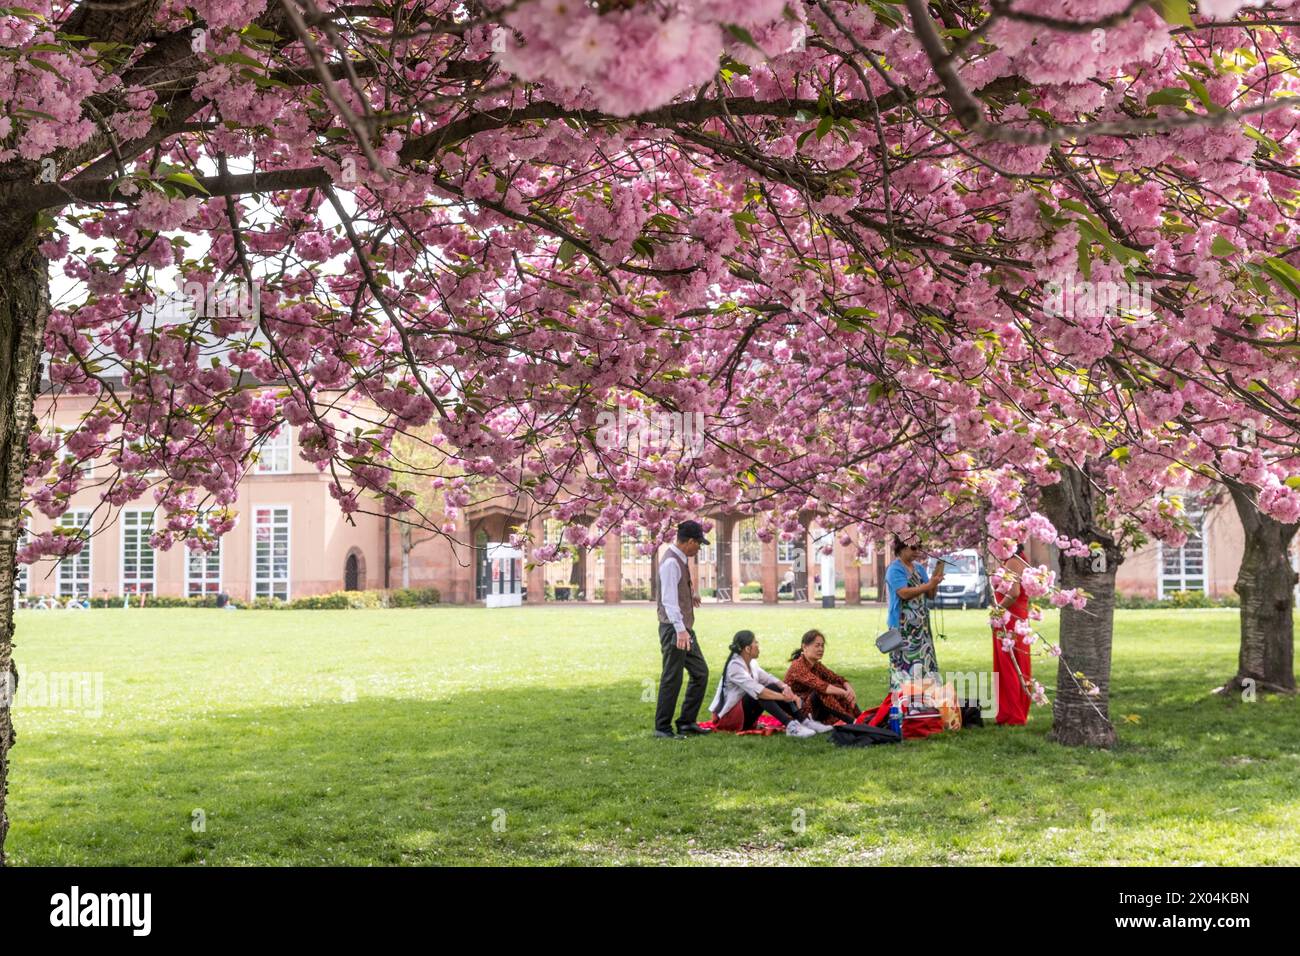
[
  {"x": 740, "y": 680},
  {"x": 670, "y": 575}
]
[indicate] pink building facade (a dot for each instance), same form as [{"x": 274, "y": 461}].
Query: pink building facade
[{"x": 292, "y": 540}]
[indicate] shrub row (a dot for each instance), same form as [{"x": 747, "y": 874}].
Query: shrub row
[
  {"x": 354, "y": 600},
  {"x": 339, "y": 600},
  {"x": 1179, "y": 599}
]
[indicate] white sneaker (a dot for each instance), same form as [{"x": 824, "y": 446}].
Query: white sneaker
[
  {"x": 817, "y": 726},
  {"x": 796, "y": 729}
]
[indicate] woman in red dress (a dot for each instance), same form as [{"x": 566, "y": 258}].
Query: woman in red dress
[{"x": 1012, "y": 665}]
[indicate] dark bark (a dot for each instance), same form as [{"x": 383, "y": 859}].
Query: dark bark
[
  {"x": 578, "y": 573},
  {"x": 1080, "y": 718},
  {"x": 24, "y": 304},
  {"x": 1266, "y": 583}
]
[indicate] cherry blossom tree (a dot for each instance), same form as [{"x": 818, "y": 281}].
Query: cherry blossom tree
[{"x": 1000, "y": 266}]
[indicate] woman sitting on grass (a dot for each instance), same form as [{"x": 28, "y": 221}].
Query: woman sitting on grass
[
  {"x": 827, "y": 697},
  {"x": 746, "y": 691}
]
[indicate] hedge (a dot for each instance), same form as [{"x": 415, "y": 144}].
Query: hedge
[
  {"x": 1179, "y": 599},
  {"x": 339, "y": 600},
  {"x": 355, "y": 600}
]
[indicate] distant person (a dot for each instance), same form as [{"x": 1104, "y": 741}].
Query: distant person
[
  {"x": 909, "y": 586},
  {"x": 746, "y": 691},
  {"x": 826, "y": 696},
  {"x": 676, "y": 606},
  {"x": 1012, "y": 667}
]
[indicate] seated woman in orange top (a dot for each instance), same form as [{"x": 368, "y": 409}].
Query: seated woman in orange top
[{"x": 826, "y": 695}]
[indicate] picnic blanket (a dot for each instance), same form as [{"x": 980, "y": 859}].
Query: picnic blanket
[{"x": 765, "y": 726}]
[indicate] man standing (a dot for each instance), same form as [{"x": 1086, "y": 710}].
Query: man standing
[{"x": 676, "y": 607}]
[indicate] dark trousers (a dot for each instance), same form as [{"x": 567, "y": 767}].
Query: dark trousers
[
  {"x": 670, "y": 681},
  {"x": 782, "y": 710}
]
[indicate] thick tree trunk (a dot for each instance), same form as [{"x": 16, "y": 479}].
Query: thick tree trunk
[
  {"x": 24, "y": 304},
  {"x": 578, "y": 573},
  {"x": 1266, "y": 583},
  {"x": 1081, "y": 717}
]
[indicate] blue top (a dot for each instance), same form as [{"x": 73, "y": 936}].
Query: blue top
[{"x": 895, "y": 578}]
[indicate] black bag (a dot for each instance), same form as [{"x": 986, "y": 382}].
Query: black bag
[
  {"x": 971, "y": 717},
  {"x": 862, "y": 735}
]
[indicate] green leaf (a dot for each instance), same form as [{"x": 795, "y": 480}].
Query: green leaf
[
  {"x": 243, "y": 59},
  {"x": 255, "y": 32},
  {"x": 1221, "y": 247},
  {"x": 1201, "y": 92},
  {"x": 187, "y": 179},
  {"x": 1285, "y": 273},
  {"x": 1169, "y": 96},
  {"x": 1272, "y": 144},
  {"x": 1116, "y": 250},
  {"x": 741, "y": 35},
  {"x": 1175, "y": 12}
]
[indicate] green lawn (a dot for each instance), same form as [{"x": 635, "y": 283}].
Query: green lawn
[{"x": 360, "y": 737}]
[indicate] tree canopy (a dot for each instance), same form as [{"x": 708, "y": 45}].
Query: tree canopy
[{"x": 1014, "y": 268}]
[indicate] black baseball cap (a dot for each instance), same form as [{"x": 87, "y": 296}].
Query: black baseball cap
[{"x": 691, "y": 531}]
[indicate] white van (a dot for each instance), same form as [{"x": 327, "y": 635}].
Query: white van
[{"x": 965, "y": 581}]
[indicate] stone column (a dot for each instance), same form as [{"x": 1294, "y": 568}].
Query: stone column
[
  {"x": 613, "y": 546},
  {"x": 726, "y": 564},
  {"x": 805, "y": 571},
  {"x": 880, "y": 572},
  {"x": 768, "y": 572},
  {"x": 462, "y": 564},
  {"x": 852, "y": 573},
  {"x": 536, "y": 575}
]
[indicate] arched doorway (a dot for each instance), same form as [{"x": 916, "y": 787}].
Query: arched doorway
[{"x": 354, "y": 571}]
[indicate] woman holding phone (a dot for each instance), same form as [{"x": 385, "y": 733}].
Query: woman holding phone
[{"x": 909, "y": 587}]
